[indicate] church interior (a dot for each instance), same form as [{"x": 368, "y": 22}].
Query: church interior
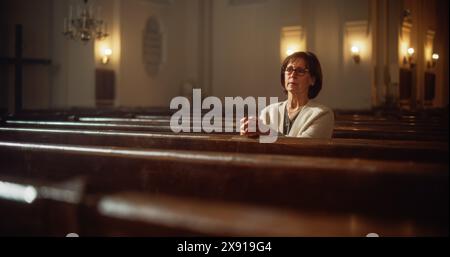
[{"x": 87, "y": 148}]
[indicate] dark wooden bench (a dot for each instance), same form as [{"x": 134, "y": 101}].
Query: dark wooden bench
[
  {"x": 341, "y": 148},
  {"x": 394, "y": 126},
  {"x": 39, "y": 207},
  {"x": 422, "y": 119},
  {"x": 165, "y": 121},
  {"x": 388, "y": 133},
  {"x": 60, "y": 208},
  {"x": 378, "y": 188},
  {"x": 407, "y": 185},
  {"x": 367, "y": 132}
]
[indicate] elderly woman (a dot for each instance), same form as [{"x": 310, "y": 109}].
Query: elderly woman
[{"x": 299, "y": 115}]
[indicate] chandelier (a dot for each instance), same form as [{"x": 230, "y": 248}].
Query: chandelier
[{"x": 86, "y": 25}]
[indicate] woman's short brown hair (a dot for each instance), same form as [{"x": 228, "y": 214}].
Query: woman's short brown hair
[{"x": 312, "y": 64}]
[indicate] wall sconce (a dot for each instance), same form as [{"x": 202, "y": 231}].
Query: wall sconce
[
  {"x": 409, "y": 58},
  {"x": 356, "y": 42},
  {"x": 293, "y": 39},
  {"x": 434, "y": 59},
  {"x": 106, "y": 53},
  {"x": 356, "y": 54}
]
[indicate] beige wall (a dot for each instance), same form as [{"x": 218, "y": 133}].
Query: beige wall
[
  {"x": 73, "y": 77},
  {"x": 135, "y": 86},
  {"x": 346, "y": 85},
  {"x": 246, "y": 49}
]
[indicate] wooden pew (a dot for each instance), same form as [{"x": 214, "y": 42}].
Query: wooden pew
[
  {"x": 150, "y": 112},
  {"x": 62, "y": 208},
  {"x": 131, "y": 213},
  {"x": 396, "y": 124},
  {"x": 386, "y": 133},
  {"x": 424, "y": 118},
  {"x": 367, "y": 132},
  {"x": 389, "y": 117},
  {"x": 341, "y": 148},
  {"x": 403, "y": 124},
  {"x": 393, "y": 126},
  {"x": 164, "y": 114},
  {"x": 418, "y": 191},
  {"x": 96, "y": 185},
  {"x": 65, "y": 113},
  {"x": 36, "y": 207},
  {"x": 165, "y": 121}
]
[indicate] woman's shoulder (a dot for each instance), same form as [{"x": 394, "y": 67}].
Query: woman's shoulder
[
  {"x": 315, "y": 110},
  {"x": 318, "y": 107}
]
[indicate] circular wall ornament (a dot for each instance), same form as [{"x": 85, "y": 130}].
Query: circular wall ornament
[{"x": 152, "y": 46}]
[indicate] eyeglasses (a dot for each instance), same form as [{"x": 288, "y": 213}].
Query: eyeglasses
[{"x": 298, "y": 71}]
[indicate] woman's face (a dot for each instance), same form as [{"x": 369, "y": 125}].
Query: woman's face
[{"x": 297, "y": 78}]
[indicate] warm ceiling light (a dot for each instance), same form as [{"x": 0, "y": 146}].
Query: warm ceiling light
[{"x": 85, "y": 24}]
